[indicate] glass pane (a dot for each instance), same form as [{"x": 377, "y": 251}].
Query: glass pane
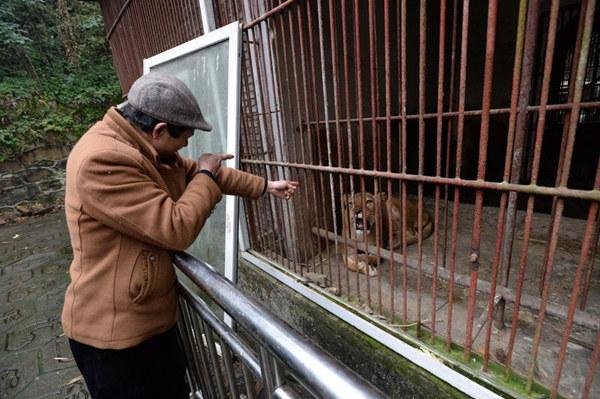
[{"x": 205, "y": 72}]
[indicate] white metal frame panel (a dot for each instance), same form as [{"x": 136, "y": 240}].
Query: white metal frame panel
[{"x": 231, "y": 33}]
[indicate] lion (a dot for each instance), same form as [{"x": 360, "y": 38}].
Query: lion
[{"x": 360, "y": 218}]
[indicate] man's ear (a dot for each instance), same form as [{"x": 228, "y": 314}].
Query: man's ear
[{"x": 159, "y": 129}]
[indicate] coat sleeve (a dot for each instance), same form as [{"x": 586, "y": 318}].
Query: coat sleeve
[
  {"x": 232, "y": 181},
  {"x": 116, "y": 190},
  {"x": 240, "y": 183}
]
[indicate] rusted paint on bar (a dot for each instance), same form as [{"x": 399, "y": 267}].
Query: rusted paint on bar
[
  {"x": 563, "y": 192},
  {"x": 461, "y": 118},
  {"x": 573, "y": 122},
  {"x": 535, "y": 168},
  {"x": 403, "y": 156},
  {"x": 438, "y": 163},
  {"x": 589, "y": 378},
  {"x": 474, "y": 261},
  {"x": 449, "y": 129},
  {"x": 421, "y": 167},
  {"x": 585, "y": 250},
  {"x": 281, "y": 7}
]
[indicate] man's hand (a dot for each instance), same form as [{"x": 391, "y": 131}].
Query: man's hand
[
  {"x": 212, "y": 162},
  {"x": 283, "y": 189}
]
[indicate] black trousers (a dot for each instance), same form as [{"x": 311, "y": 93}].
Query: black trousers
[{"x": 153, "y": 369}]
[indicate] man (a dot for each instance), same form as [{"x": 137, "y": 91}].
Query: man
[{"x": 130, "y": 199}]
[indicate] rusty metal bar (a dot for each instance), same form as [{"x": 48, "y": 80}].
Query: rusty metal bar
[
  {"x": 275, "y": 10},
  {"x": 421, "y": 166},
  {"x": 346, "y": 79},
  {"x": 590, "y": 270},
  {"x": 336, "y": 110},
  {"x": 449, "y": 129},
  {"x": 388, "y": 136},
  {"x": 562, "y": 192},
  {"x": 585, "y": 250},
  {"x": 461, "y": 119},
  {"x": 566, "y": 123},
  {"x": 117, "y": 19},
  {"x": 573, "y": 122},
  {"x": 483, "y": 144},
  {"x": 581, "y": 318},
  {"x": 471, "y": 113},
  {"x": 284, "y": 150},
  {"x": 403, "y": 156},
  {"x": 309, "y": 136},
  {"x": 315, "y": 109},
  {"x": 535, "y": 167},
  {"x": 589, "y": 378},
  {"x": 326, "y": 114},
  {"x": 359, "y": 97},
  {"x": 438, "y": 162}
]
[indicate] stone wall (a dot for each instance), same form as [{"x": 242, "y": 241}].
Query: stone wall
[{"x": 33, "y": 184}]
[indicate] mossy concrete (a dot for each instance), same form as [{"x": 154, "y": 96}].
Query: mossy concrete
[{"x": 391, "y": 373}]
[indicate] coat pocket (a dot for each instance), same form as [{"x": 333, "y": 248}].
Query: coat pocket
[{"x": 142, "y": 276}]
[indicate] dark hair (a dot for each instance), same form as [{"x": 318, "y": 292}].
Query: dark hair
[{"x": 146, "y": 122}]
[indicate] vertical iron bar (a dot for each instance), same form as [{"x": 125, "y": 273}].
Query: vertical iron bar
[
  {"x": 483, "y": 143},
  {"x": 589, "y": 378},
  {"x": 461, "y": 120},
  {"x": 449, "y": 128},
  {"x": 346, "y": 79},
  {"x": 313, "y": 81},
  {"x": 565, "y": 132},
  {"x": 231, "y": 379},
  {"x": 268, "y": 383},
  {"x": 585, "y": 249},
  {"x": 403, "y": 157},
  {"x": 248, "y": 382},
  {"x": 388, "y": 135},
  {"x": 307, "y": 81},
  {"x": 213, "y": 357},
  {"x": 564, "y": 176},
  {"x": 327, "y": 127},
  {"x": 336, "y": 109},
  {"x": 421, "y": 167},
  {"x": 517, "y": 66},
  {"x": 359, "y": 96},
  {"x": 438, "y": 161}
]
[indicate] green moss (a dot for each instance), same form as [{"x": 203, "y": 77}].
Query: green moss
[{"x": 386, "y": 369}]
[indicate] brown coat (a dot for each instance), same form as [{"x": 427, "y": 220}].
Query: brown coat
[{"x": 125, "y": 211}]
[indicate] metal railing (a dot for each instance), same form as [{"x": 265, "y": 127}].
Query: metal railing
[{"x": 270, "y": 361}]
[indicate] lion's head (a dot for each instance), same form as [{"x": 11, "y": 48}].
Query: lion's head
[{"x": 362, "y": 211}]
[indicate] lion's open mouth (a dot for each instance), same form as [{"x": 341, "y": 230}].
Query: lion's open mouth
[{"x": 362, "y": 226}]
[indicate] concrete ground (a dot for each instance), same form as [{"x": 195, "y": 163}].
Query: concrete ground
[{"x": 35, "y": 360}]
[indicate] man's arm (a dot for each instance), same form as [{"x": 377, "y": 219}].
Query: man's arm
[{"x": 116, "y": 190}]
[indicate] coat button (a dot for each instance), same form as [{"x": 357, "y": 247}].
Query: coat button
[{"x": 152, "y": 258}]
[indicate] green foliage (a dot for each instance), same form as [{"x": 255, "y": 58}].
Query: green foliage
[{"x": 56, "y": 72}]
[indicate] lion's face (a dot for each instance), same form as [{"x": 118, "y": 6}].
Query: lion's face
[{"x": 362, "y": 213}]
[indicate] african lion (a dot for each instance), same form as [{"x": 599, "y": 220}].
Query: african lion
[{"x": 361, "y": 218}]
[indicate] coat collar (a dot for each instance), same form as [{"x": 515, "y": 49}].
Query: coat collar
[{"x": 130, "y": 134}]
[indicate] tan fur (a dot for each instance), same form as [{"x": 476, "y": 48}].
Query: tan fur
[{"x": 370, "y": 207}]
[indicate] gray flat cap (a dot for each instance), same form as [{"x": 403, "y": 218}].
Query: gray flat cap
[{"x": 167, "y": 99}]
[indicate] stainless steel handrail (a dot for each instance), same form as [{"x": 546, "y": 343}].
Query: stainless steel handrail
[{"x": 318, "y": 372}]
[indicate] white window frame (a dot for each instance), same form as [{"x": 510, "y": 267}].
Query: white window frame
[{"x": 231, "y": 33}]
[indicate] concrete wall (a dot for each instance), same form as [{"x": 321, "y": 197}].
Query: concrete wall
[
  {"x": 390, "y": 372},
  {"x": 34, "y": 184}
]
